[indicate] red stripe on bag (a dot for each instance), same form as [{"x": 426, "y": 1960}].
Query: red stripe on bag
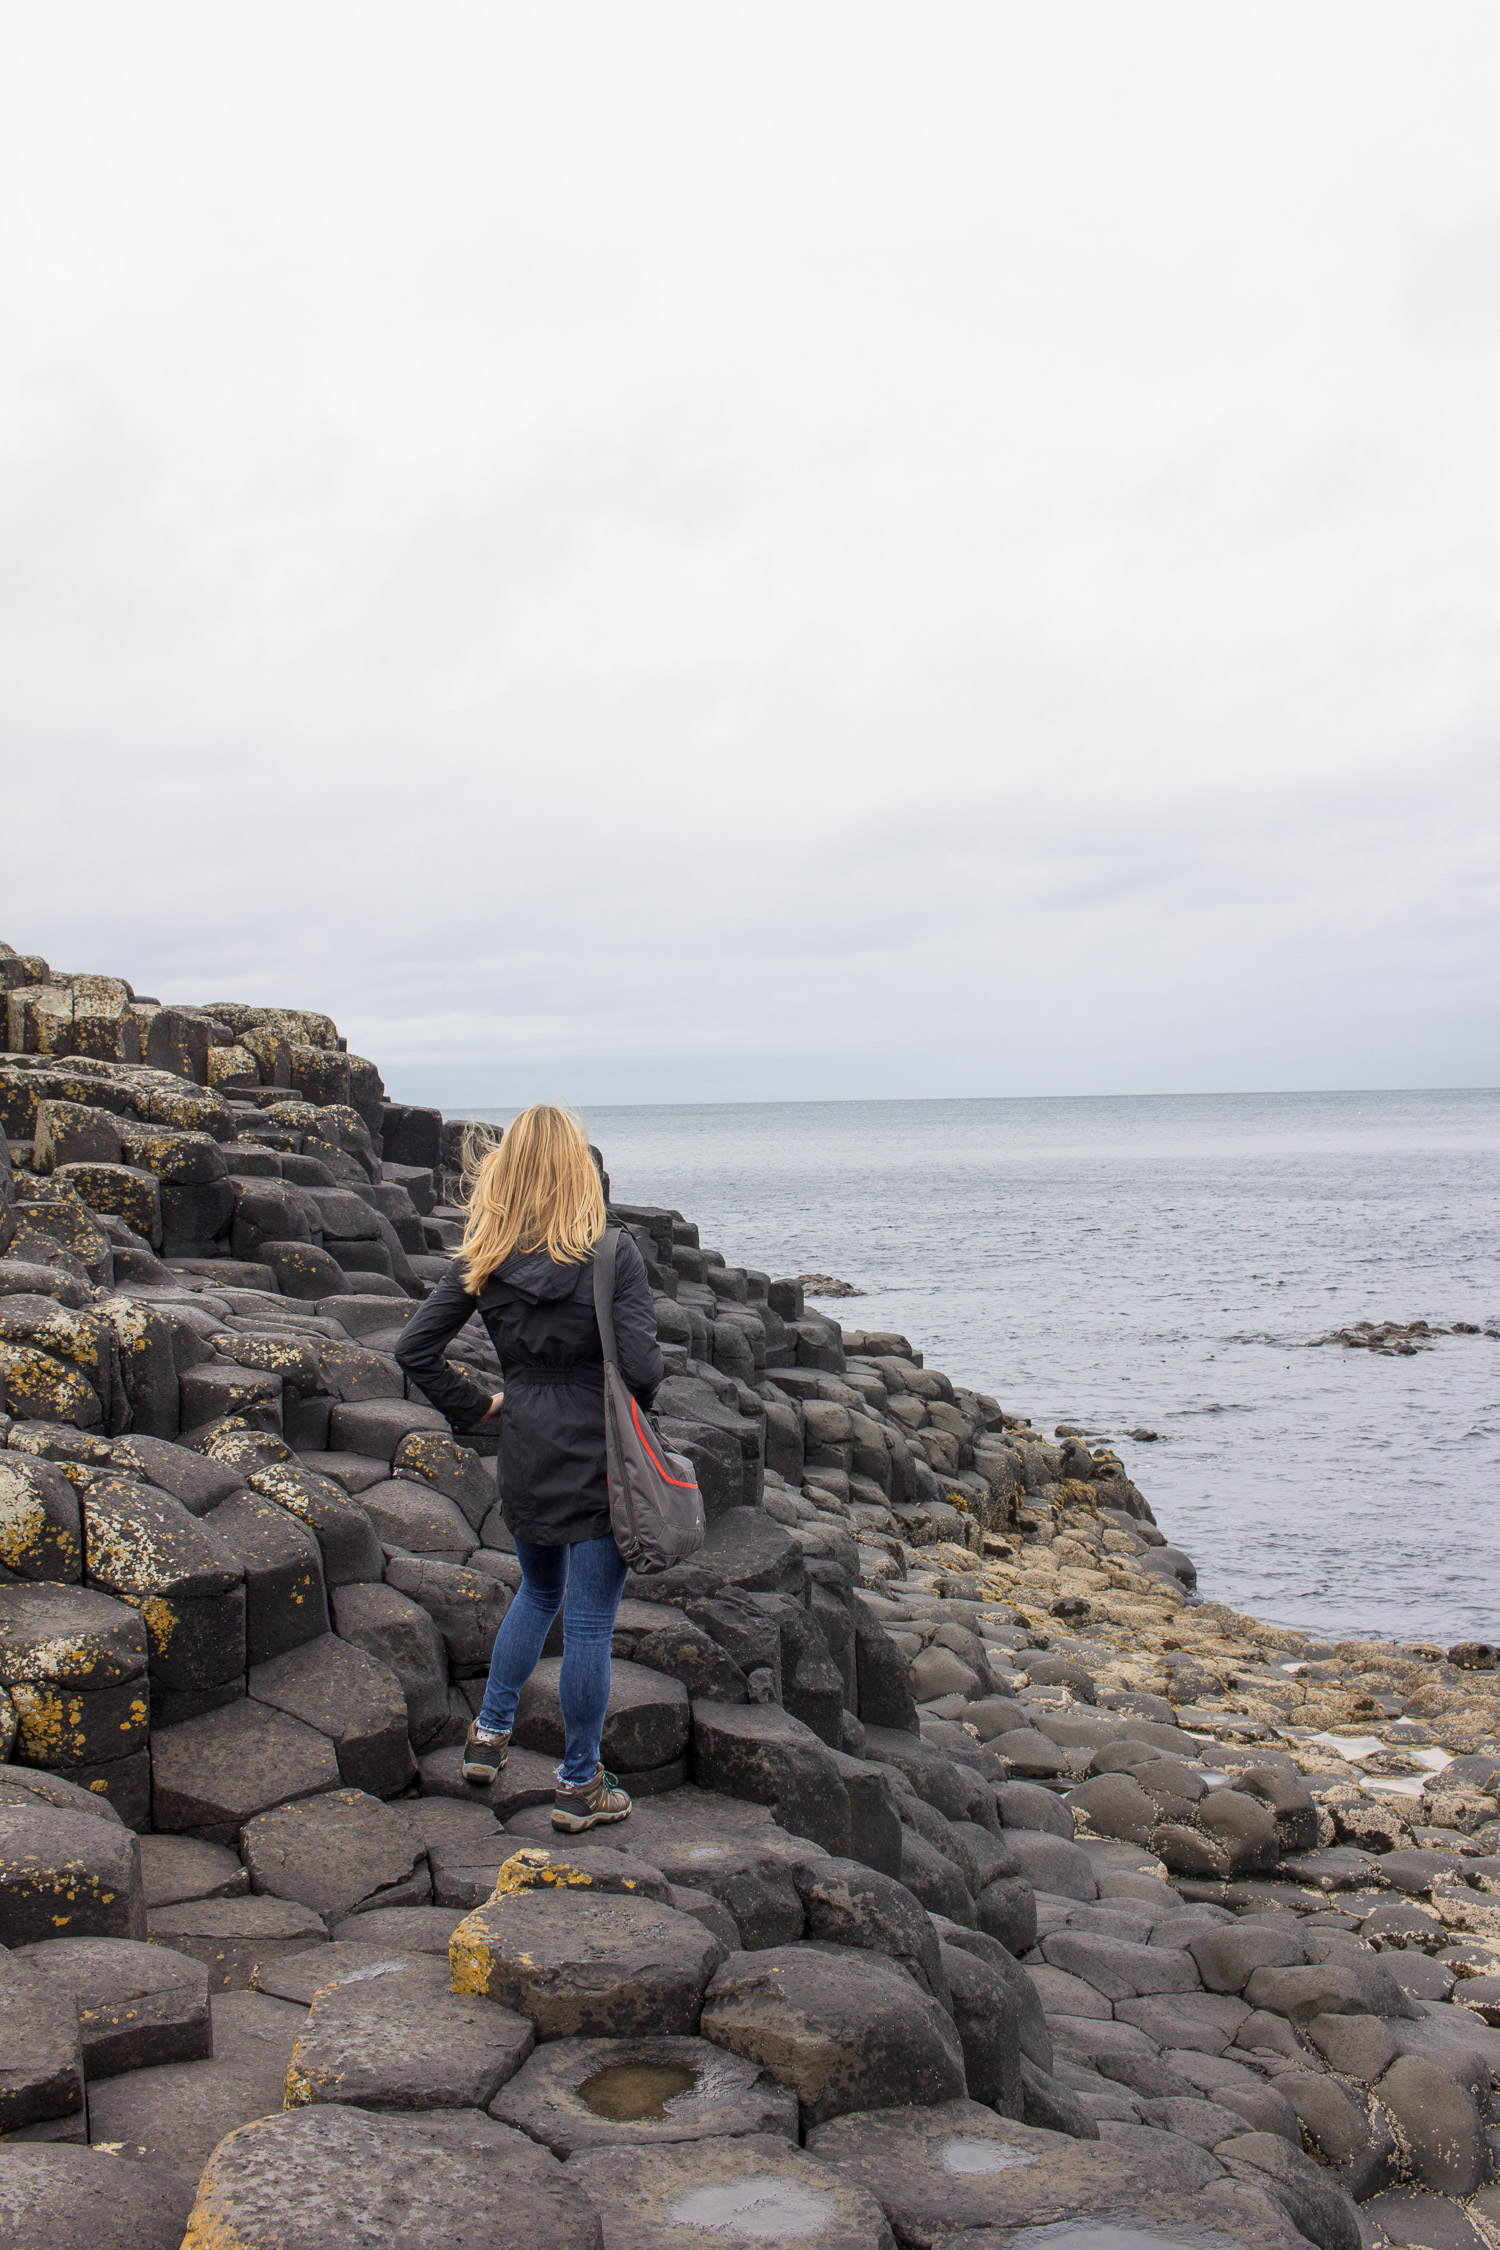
[{"x": 683, "y": 1484}]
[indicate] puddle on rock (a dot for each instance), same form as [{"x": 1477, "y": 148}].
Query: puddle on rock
[
  {"x": 1118, "y": 2234},
  {"x": 767, "y": 2207},
  {"x": 634, "y": 2093},
  {"x": 971, "y": 2155}
]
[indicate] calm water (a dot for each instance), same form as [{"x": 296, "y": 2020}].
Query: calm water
[{"x": 1158, "y": 1263}]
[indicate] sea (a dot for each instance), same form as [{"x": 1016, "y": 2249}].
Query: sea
[{"x": 1167, "y": 1264}]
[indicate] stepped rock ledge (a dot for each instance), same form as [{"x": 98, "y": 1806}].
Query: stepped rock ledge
[{"x": 982, "y": 1878}]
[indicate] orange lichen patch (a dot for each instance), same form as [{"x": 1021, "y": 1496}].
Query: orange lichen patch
[{"x": 41, "y": 1389}]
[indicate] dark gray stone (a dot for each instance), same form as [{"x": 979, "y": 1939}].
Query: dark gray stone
[
  {"x": 760, "y": 1752},
  {"x": 176, "y": 1868},
  {"x": 353, "y": 1699},
  {"x": 588, "y": 1964},
  {"x": 67, "y": 1874},
  {"x": 1309, "y": 2195},
  {"x": 427, "y": 2182},
  {"x": 846, "y": 2030},
  {"x": 986, "y": 2018},
  {"x": 43, "y": 2076},
  {"x": 395, "y": 2037},
  {"x": 1439, "y": 2123},
  {"x": 213, "y": 1774},
  {"x": 232, "y": 1937},
  {"x": 59, "y": 2198},
  {"x": 137, "y": 2004},
  {"x": 176, "y": 2114},
  {"x": 336, "y": 1852},
  {"x": 467, "y": 1606},
  {"x": 1006, "y": 1911},
  {"x": 286, "y": 1602},
  {"x": 352, "y": 1553},
  {"x": 401, "y": 1929},
  {"x": 399, "y": 1633},
  {"x": 847, "y": 1903}
]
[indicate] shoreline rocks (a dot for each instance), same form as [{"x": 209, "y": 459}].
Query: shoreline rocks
[{"x": 972, "y": 1850}]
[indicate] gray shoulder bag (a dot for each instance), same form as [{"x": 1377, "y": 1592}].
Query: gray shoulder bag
[{"x": 655, "y": 1507}]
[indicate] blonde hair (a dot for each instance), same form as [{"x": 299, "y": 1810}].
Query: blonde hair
[{"x": 536, "y": 1187}]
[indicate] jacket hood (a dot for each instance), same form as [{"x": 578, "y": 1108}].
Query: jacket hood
[{"x": 535, "y": 1276}]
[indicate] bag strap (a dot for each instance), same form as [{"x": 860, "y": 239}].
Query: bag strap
[{"x": 604, "y": 1291}]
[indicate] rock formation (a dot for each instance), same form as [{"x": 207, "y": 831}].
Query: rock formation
[{"x": 980, "y": 1878}]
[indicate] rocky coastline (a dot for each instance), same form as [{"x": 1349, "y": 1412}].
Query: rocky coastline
[{"x": 982, "y": 1878}]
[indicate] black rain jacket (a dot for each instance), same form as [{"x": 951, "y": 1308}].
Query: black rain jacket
[{"x": 541, "y": 1321}]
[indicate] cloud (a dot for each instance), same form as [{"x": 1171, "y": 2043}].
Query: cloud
[{"x": 830, "y": 554}]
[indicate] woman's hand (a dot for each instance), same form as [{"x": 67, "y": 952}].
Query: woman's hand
[{"x": 497, "y": 1400}]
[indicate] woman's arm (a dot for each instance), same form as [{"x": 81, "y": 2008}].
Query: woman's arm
[
  {"x": 636, "y": 1346},
  {"x": 419, "y": 1354}
]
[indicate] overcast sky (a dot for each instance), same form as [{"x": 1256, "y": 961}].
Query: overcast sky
[{"x": 686, "y": 552}]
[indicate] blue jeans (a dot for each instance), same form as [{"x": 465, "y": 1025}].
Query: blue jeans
[{"x": 592, "y": 1575}]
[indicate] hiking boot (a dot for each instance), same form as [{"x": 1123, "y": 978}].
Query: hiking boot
[
  {"x": 589, "y": 1805},
  {"x": 484, "y": 1753}
]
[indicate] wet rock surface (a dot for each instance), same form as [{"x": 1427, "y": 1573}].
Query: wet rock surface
[{"x": 970, "y": 1845}]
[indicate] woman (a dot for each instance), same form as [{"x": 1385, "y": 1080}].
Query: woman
[{"x": 536, "y": 1212}]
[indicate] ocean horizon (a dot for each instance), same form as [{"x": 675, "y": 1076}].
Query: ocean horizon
[{"x": 1164, "y": 1262}]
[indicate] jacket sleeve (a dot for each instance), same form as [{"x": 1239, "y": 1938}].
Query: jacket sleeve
[
  {"x": 636, "y": 1346},
  {"x": 419, "y": 1353}
]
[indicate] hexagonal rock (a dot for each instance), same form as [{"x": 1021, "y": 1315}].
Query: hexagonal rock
[
  {"x": 69, "y": 1636},
  {"x": 1118, "y": 1969},
  {"x": 326, "y": 2175},
  {"x": 286, "y": 1601},
  {"x": 62, "y": 1726},
  {"x": 59, "y": 2198},
  {"x": 395, "y": 2037},
  {"x": 846, "y": 2030},
  {"x": 40, "y": 1530},
  {"x": 456, "y": 1472},
  {"x": 352, "y": 1698},
  {"x": 1310, "y": 2196},
  {"x": 586, "y": 1964},
  {"x": 397, "y": 1631},
  {"x": 401, "y": 1929},
  {"x": 334, "y": 1852},
  {"x": 758, "y": 2188},
  {"x": 849, "y": 1904},
  {"x": 1342, "y": 1988},
  {"x": 137, "y": 2004},
  {"x": 1439, "y": 2123},
  {"x": 188, "y": 1585},
  {"x": 22, "y": 1788},
  {"x": 376, "y": 1426},
  {"x": 43, "y": 2075},
  {"x": 957, "y": 2165},
  {"x": 526, "y": 1780},
  {"x": 579, "y": 2094},
  {"x": 418, "y": 1519},
  {"x": 351, "y": 1551},
  {"x": 759, "y": 1751},
  {"x": 233, "y": 1936},
  {"x": 467, "y": 1606},
  {"x": 64, "y": 1874},
  {"x": 1228, "y": 1957},
  {"x": 1050, "y": 1864},
  {"x": 647, "y": 1722},
  {"x": 298, "y": 1978},
  {"x": 213, "y": 1774},
  {"x": 176, "y": 2114},
  {"x": 175, "y": 1868}
]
